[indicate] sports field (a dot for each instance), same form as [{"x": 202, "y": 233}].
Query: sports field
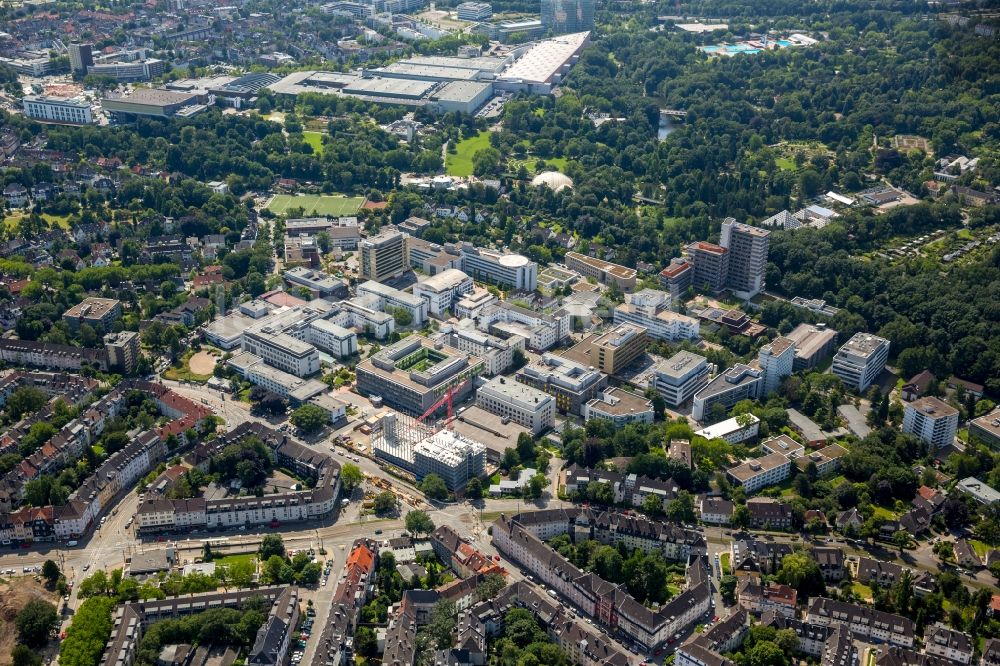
[
  {"x": 460, "y": 162},
  {"x": 316, "y": 204}
]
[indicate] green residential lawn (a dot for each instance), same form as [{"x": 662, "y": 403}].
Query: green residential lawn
[
  {"x": 884, "y": 513},
  {"x": 314, "y": 139},
  {"x": 724, "y": 563},
  {"x": 981, "y": 548},
  {"x": 459, "y": 163},
  {"x": 230, "y": 560},
  {"x": 861, "y": 590},
  {"x": 315, "y": 204},
  {"x": 53, "y": 220}
]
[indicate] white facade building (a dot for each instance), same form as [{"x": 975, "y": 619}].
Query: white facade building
[
  {"x": 333, "y": 338},
  {"x": 860, "y": 360},
  {"x": 932, "y": 420},
  {"x": 679, "y": 377},
  {"x": 441, "y": 291},
  {"x": 394, "y": 298},
  {"x": 511, "y": 270},
  {"x": 497, "y": 354},
  {"x": 522, "y": 404},
  {"x": 59, "y": 110},
  {"x": 731, "y": 430},
  {"x": 650, "y": 309},
  {"x": 540, "y": 330},
  {"x": 777, "y": 360}
]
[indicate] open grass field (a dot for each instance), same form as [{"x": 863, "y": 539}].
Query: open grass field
[
  {"x": 551, "y": 164},
  {"x": 186, "y": 370},
  {"x": 861, "y": 590},
  {"x": 315, "y": 204},
  {"x": 53, "y": 220},
  {"x": 314, "y": 139},
  {"x": 459, "y": 163}
]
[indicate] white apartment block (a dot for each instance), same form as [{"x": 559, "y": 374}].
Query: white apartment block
[
  {"x": 776, "y": 360},
  {"x": 474, "y": 11},
  {"x": 522, "y": 404},
  {"x": 932, "y": 420},
  {"x": 941, "y": 641},
  {"x": 679, "y": 377},
  {"x": 509, "y": 270},
  {"x": 59, "y": 110},
  {"x": 441, "y": 291},
  {"x": 650, "y": 309},
  {"x": 252, "y": 368},
  {"x": 394, "y": 298},
  {"x": 497, "y": 354},
  {"x": 865, "y": 622},
  {"x": 860, "y": 360},
  {"x": 762, "y": 472}
]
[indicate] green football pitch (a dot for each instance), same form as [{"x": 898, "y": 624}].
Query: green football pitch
[{"x": 315, "y": 204}]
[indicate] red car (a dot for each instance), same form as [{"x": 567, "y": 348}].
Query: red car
[
  {"x": 659, "y": 652},
  {"x": 670, "y": 641},
  {"x": 496, "y": 557}
]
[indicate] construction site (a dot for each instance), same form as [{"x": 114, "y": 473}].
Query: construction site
[{"x": 420, "y": 449}]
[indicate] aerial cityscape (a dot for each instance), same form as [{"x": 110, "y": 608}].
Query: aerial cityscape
[{"x": 507, "y": 333}]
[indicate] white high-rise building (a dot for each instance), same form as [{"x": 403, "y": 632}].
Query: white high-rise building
[
  {"x": 747, "y": 248},
  {"x": 860, "y": 360},
  {"x": 384, "y": 256},
  {"x": 679, "y": 377},
  {"x": 932, "y": 420},
  {"x": 777, "y": 360}
]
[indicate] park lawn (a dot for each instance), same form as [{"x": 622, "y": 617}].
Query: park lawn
[
  {"x": 182, "y": 372},
  {"x": 61, "y": 221},
  {"x": 724, "y": 564},
  {"x": 314, "y": 139},
  {"x": 551, "y": 164},
  {"x": 862, "y": 590},
  {"x": 785, "y": 164},
  {"x": 459, "y": 163},
  {"x": 315, "y": 204}
]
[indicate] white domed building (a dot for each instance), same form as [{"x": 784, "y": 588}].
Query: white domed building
[{"x": 553, "y": 180}]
